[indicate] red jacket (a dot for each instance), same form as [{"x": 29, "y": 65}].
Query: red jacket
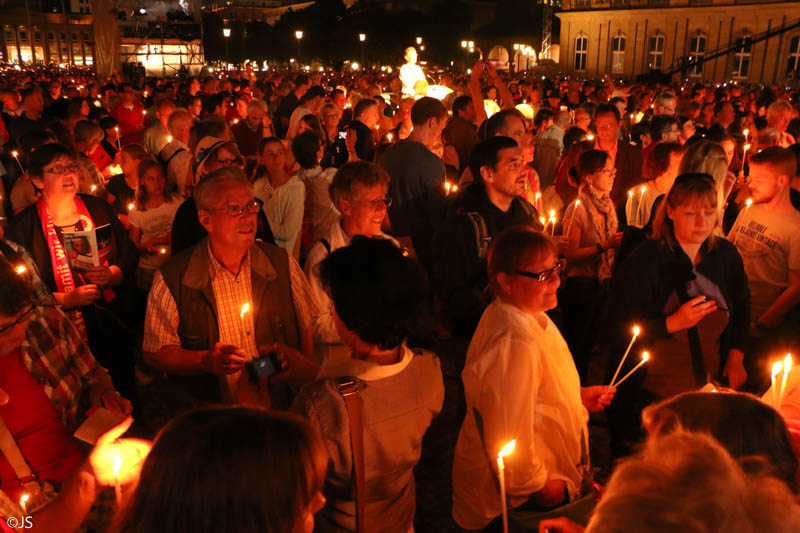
[{"x": 131, "y": 123}]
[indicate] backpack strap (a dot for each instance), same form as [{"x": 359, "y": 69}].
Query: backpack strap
[
  {"x": 482, "y": 238},
  {"x": 348, "y": 388},
  {"x": 176, "y": 152}
]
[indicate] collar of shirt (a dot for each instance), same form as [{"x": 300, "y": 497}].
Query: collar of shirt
[
  {"x": 334, "y": 367},
  {"x": 215, "y": 266}
]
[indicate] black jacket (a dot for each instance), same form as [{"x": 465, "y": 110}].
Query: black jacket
[
  {"x": 460, "y": 274},
  {"x": 646, "y": 279}
]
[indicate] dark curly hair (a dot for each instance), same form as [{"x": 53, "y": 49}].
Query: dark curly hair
[{"x": 378, "y": 293}]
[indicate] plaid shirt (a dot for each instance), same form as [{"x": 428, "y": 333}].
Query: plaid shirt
[{"x": 62, "y": 363}]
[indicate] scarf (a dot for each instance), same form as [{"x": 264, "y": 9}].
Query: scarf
[
  {"x": 604, "y": 219},
  {"x": 62, "y": 272}
]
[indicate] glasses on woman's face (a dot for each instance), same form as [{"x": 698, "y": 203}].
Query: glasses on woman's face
[
  {"x": 544, "y": 275},
  {"x": 25, "y": 316},
  {"x": 60, "y": 170}
]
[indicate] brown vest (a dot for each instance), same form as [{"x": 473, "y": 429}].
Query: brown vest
[{"x": 188, "y": 278}]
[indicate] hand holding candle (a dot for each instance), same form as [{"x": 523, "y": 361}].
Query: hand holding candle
[
  {"x": 501, "y": 469},
  {"x": 117, "y": 462}
]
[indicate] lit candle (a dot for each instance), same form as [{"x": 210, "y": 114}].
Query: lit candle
[
  {"x": 787, "y": 367},
  {"x": 590, "y": 137},
  {"x": 169, "y": 139},
  {"x": 389, "y": 137},
  {"x": 501, "y": 474},
  {"x": 130, "y": 207},
  {"x": 776, "y": 369},
  {"x": 447, "y": 188},
  {"x": 119, "y": 145},
  {"x": 97, "y": 103},
  {"x": 94, "y": 188},
  {"x": 744, "y": 156},
  {"x": 21, "y": 269},
  {"x": 117, "y": 466},
  {"x": 636, "y": 332},
  {"x": 543, "y": 221},
  {"x": 163, "y": 251},
  {"x": 455, "y": 188},
  {"x": 645, "y": 357},
  {"x": 553, "y": 220},
  {"x": 16, "y": 156},
  {"x": 639, "y": 116},
  {"x": 569, "y": 223},
  {"x": 640, "y": 221},
  {"x": 235, "y": 121},
  {"x": 242, "y": 315},
  {"x": 23, "y": 503},
  {"x": 746, "y": 134},
  {"x": 144, "y": 112}
]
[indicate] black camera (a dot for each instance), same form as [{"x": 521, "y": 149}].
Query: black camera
[{"x": 263, "y": 367}]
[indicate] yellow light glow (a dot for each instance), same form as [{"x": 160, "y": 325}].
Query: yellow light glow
[
  {"x": 245, "y": 310},
  {"x": 507, "y": 449}
]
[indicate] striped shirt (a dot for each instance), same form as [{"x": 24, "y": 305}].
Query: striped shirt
[{"x": 231, "y": 292}]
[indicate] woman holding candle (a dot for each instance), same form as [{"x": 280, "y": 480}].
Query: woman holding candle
[
  {"x": 40, "y": 227},
  {"x": 521, "y": 384},
  {"x": 591, "y": 244},
  {"x": 121, "y": 189},
  {"x": 688, "y": 291}
]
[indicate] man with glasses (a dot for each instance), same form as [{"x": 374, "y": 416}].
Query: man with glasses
[
  {"x": 359, "y": 191},
  {"x": 214, "y": 307},
  {"x": 666, "y": 103},
  {"x": 627, "y": 157},
  {"x": 130, "y": 115}
]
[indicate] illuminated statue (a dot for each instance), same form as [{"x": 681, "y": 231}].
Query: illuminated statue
[{"x": 411, "y": 74}]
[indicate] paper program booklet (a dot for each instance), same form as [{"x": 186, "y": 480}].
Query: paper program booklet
[{"x": 87, "y": 249}]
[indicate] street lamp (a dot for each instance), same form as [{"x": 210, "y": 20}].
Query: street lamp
[
  {"x": 419, "y": 40},
  {"x": 226, "y": 32},
  {"x": 471, "y": 44},
  {"x": 463, "y": 44},
  {"x": 362, "y": 37},
  {"x": 298, "y": 34}
]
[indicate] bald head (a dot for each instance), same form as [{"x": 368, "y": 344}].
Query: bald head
[{"x": 179, "y": 124}]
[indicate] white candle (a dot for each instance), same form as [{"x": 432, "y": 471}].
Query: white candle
[
  {"x": 639, "y": 212},
  {"x": 569, "y": 222},
  {"x": 119, "y": 144},
  {"x": 537, "y": 201},
  {"x": 744, "y": 157},
  {"x": 389, "y": 137},
  {"x": 636, "y": 332},
  {"x": 787, "y": 367},
  {"x": 447, "y": 187},
  {"x": 645, "y": 357},
  {"x": 776, "y": 369},
  {"x": 23, "y": 503},
  {"x": 16, "y": 156},
  {"x": 501, "y": 469},
  {"x": 242, "y": 315}
]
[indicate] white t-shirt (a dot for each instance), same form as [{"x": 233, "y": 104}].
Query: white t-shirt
[
  {"x": 284, "y": 209},
  {"x": 410, "y": 74},
  {"x": 154, "y": 223},
  {"x": 769, "y": 244}
]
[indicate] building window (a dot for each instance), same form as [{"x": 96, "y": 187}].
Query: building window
[
  {"x": 741, "y": 58},
  {"x": 51, "y": 36},
  {"x": 581, "y": 47},
  {"x": 697, "y": 47},
  {"x": 37, "y": 37},
  {"x": 23, "y": 36},
  {"x": 656, "y": 52},
  {"x": 618, "y": 54},
  {"x": 793, "y": 65},
  {"x": 74, "y": 37}
]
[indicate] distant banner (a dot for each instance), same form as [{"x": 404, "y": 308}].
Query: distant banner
[{"x": 106, "y": 37}]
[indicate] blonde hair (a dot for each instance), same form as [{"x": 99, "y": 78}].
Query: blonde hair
[
  {"x": 693, "y": 187},
  {"x": 687, "y": 482},
  {"x": 776, "y": 107},
  {"x": 709, "y": 158}
]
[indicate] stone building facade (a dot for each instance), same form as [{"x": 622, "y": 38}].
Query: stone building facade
[{"x": 630, "y": 37}]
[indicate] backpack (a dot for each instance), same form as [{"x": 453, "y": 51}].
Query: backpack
[{"x": 482, "y": 238}]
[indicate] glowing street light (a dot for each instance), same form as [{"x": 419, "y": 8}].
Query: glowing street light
[
  {"x": 362, "y": 37},
  {"x": 226, "y": 32},
  {"x": 463, "y": 44},
  {"x": 471, "y": 44},
  {"x": 419, "y": 40},
  {"x": 298, "y": 34}
]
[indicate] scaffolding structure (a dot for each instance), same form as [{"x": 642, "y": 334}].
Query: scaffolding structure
[{"x": 163, "y": 56}]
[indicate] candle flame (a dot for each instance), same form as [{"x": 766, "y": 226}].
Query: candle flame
[
  {"x": 97, "y": 103},
  {"x": 542, "y": 220},
  {"x": 144, "y": 112},
  {"x": 236, "y": 121},
  {"x": 787, "y": 363},
  {"x": 577, "y": 203},
  {"x": 389, "y": 137},
  {"x": 747, "y": 147},
  {"x": 21, "y": 269},
  {"x": 130, "y": 206},
  {"x": 163, "y": 250},
  {"x": 776, "y": 368},
  {"x": 630, "y": 193},
  {"x": 94, "y": 188},
  {"x": 590, "y": 137},
  {"x": 746, "y": 132},
  {"x": 15, "y": 153},
  {"x": 24, "y": 499},
  {"x": 507, "y": 449},
  {"x": 538, "y": 195},
  {"x": 447, "y": 186},
  {"x": 749, "y": 202},
  {"x": 245, "y": 310},
  {"x": 117, "y": 465},
  {"x": 643, "y": 189},
  {"x": 116, "y": 128},
  {"x": 169, "y": 138},
  {"x": 636, "y": 331},
  {"x": 455, "y": 188},
  {"x": 645, "y": 357}
]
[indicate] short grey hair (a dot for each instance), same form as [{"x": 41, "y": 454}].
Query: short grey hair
[
  {"x": 257, "y": 104},
  {"x": 208, "y": 187},
  {"x": 179, "y": 118}
]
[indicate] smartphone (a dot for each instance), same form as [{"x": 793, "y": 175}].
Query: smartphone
[{"x": 263, "y": 367}]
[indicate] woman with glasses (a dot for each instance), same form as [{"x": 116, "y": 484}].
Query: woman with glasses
[
  {"x": 687, "y": 291},
  {"x": 590, "y": 242},
  {"x": 91, "y": 296},
  {"x": 521, "y": 384}
]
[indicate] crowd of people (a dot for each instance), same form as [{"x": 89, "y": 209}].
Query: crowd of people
[{"x": 285, "y": 277}]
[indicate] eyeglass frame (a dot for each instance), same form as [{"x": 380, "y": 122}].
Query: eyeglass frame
[
  {"x": 378, "y": 203},
  {"x": 238, "y": 210},
  {"x": 65, "y": 168},
  {"x": 544, "y": 275},
  {"x": 26, "y": 315}
]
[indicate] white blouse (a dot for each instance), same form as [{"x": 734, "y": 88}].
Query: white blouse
[
  {"x": 284, "y": 208},
  {"x": 521, "y": 379}
]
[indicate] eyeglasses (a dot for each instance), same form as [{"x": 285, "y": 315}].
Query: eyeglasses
[
  {"x": 379, "y": 203},
  {"x": 229, "y": 162},
  {"x": 544, "y": 275},
  {"x": 234, "y": 210},
  {"x": 20, "y": 319},
  {"x": 60, "y": 170}
]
